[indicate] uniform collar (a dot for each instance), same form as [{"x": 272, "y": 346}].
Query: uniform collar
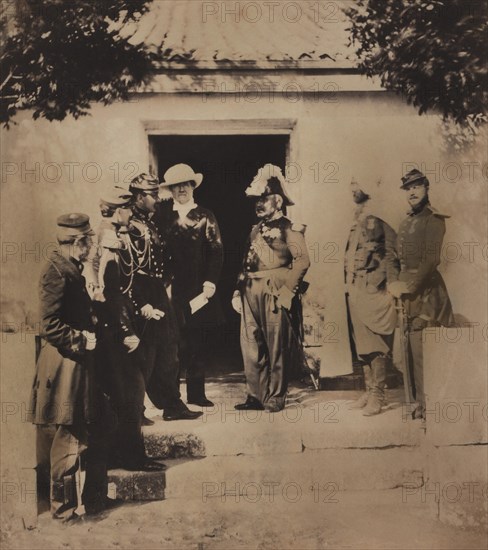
[
  {"x": 274, "y": 219},
  {"x": 143, "y": 215},
  {"x": 62, "y": 262},
  {"x": 424, "y": 209}
]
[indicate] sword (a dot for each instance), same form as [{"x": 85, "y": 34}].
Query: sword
[
  {"x": 299, "y": 342},
  {"x": 403, "y": 325}
]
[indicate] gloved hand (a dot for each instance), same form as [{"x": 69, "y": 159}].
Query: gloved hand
[
  {"x": 208, "y": 289},
  {"x": 284, "y": 297},
  {"x": 397, "y": 288},
  {"x": 237, "y": 302},
  {"x": 91, "y": 340},
  {"x": 131, "y": 343},
  {"x": 147, "y": 311},
  {"x": 157, "y": 314}
]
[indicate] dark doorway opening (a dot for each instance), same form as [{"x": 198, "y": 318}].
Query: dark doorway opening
[{"x": 228, "y": 164}]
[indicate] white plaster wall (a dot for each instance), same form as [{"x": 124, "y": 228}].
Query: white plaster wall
[{"x": 365, "y": 134}]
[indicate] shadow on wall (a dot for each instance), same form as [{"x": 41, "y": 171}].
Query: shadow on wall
[{"x": 15, "y": 316}]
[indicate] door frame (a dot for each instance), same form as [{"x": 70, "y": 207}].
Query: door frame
[{"x": 212, "y": 127}]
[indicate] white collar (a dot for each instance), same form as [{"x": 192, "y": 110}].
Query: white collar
[{"x": 184, "y": 209}]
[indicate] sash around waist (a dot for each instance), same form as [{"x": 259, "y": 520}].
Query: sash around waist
[{"x": 266, "y": 273}]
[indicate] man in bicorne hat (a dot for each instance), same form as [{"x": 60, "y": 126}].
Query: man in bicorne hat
[
  {"x": 275, "y": 262},
  {"x": 370, "y": 307},
  {"x": 413, "y": 275},
  {"x": 68, "y": 406},
  {"x": 156, "y": 320}
]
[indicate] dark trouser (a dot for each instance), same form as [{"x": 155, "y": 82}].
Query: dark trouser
[
  {"x": 192, "y": 362},
  {"x": 158, "y": 360},
  {"x": 123, "y": 381},
  {"x": 60, "y": 446},
  {"x": 416, "y": 359},
  {"x": 267, "y": 344}
]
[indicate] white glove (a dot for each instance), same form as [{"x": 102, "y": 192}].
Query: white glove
[
  {"x": 208, "y": 289},
  {"x": 397, "y": 288},
  {"x": 147, "y": 311},
  {"x": 91, "y": 340},
  {"x": 157, "y": 314},
  {"x": 237, "y": 303},
  {"x": 131, "y": 343}
]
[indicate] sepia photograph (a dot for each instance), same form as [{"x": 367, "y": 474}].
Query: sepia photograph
[{"x": 244, "y": 274}]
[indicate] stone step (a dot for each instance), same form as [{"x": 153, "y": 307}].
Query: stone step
[
  {"x": 161, "y": 443},
  {"x": 136, "y": 485},
  {"x": 310, "y": 421},
  {"x": 325, "y": 472}
]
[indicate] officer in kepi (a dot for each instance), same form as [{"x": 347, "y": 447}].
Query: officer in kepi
[
  {"x": 268, "y": 293},
  {"x": 67, "y": 405},
  {"x": 121, "y": 374},
  {"x": 413, "y": 276}
]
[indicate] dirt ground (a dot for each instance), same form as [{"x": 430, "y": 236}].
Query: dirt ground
[
  {"x": 199, "y": 514},
  {"x": 358, "y": 520}
]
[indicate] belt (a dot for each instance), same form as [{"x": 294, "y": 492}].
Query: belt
[
  {"x": 263, "y": 274},
  {"x": 404, "y": 270},
  {"x": 152, "y": 275}
]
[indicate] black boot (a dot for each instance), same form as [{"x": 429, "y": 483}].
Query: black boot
[
  {"x": 195, "y": 392},
  {"x": 362, "y": 401},
  {"x": 377, "y": 395}
]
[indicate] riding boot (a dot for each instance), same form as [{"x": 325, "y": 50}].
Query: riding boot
[
  {"x": 362, "y": 401},
  {"x": 377, "y": 395}
]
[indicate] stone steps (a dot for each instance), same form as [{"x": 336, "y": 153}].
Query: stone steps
[
  {"x": 314, "y": 443},
  {"x": 324, "y": 472}
]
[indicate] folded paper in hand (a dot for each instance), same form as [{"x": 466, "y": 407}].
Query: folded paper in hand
[{"x": 198, "y": 302}]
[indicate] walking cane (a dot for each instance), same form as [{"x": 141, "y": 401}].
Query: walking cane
[{"x": 403, "y": 325}]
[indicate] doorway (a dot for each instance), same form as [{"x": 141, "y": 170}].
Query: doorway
[{"x": 228, "y": 164}]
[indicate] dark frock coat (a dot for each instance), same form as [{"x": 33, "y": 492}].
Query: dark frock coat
[
  {"x": 64, "y": 390},
  {"x": 418, "y": 253},
  {"x": 195, "y": 246}
]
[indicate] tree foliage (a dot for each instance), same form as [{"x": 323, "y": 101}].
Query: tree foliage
[
  {"x": 431, "y": 52},
  {"x": 60, "y": 55}
]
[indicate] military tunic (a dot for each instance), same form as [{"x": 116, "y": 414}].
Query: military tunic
[
  {"x": 275, "y": 260},
  {"x": 122, "y": 377},
  {"x": 418, "y": 253},
  {"x": 371, "y": 309},
  {"x": 159, "y": 338},
  {"x": 415, "y": 261}
]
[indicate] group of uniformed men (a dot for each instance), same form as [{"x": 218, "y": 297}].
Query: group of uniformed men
[{"x": 157, "y": 266}]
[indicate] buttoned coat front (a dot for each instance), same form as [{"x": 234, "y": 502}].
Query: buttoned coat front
[
  {"x": 64, "y": 385},
  {"x": 418, "y": 254},
  {"x": 197, "y": 255}
]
